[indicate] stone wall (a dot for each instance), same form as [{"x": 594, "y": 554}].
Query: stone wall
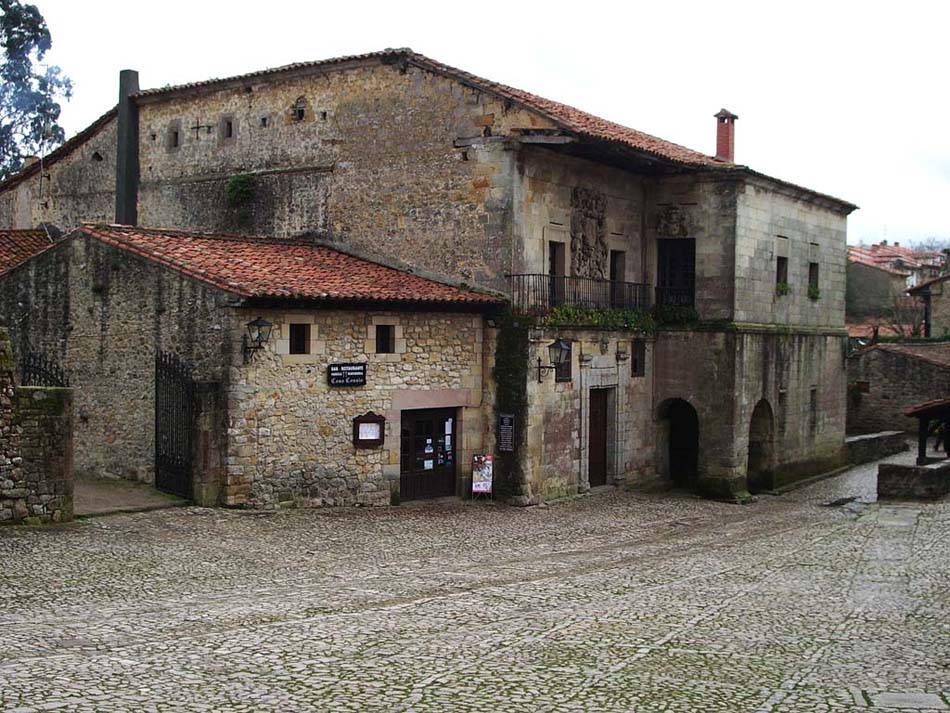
[
  {"x": 80, "y": 187},
  {"x": 871, "y": 292},
  {"x": 291, "y": 435},
  {"x": 551, "y": 190},
  {"x": 768, "y": 222},
  {"x": 101, "y": 313},
  {"x": 702, "y": 208},
  {"x": 556, "y": 452},
  {"x": 371, "y": 165},
  {"x": 939, "y": 309},
  {"x": 36, "y": 468},
  {"x": 873, "y": 446},
  {"x": 724, "y": 376},
  {"x": 883, "y": 382},
  {"x": 803, "y": 379},
  {"x": 913, "y": 482}
]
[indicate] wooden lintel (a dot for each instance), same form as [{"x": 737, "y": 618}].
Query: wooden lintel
[{"x": 542, "y": 139}]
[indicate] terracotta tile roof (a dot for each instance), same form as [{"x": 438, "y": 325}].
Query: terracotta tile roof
[
  {"x": 16, "y": 246},
  {"x": 862, "y": 256},
  {"x": 563, "y": 115},
  {"x": 927, "y": 283},
  {"x": 936, "y": 353},
  {"x": 894, "y": 257},
  {"x": 66, "y": 148},
  {"x": 866, "y": 329},
  {"x": 256, "y": 267},
  {"x": 928, "y": 407}
]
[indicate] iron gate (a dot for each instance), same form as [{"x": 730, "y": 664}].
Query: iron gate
[{"x": 174, "y": 424}]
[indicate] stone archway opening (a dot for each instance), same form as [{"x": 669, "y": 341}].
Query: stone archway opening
[
  {"x": 761, "y": 447},
  {"x": 679, "y": 442}
]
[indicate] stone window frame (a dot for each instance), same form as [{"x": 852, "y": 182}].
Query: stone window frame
[
  {"x": 556, "y": 233},
  {"x": 281, "y": 338},
  {"x": 306, "y": 341},
  {"x": 298, "y": 110},
  {"x": 173, "y": 136},
  {"x": 564, "y": 373},
  {"x": 386, "y": 333},
  {"x": 399, "y": 339},
  {"x": 638, "y": 358},
  {"x": 223, "y": 122}
]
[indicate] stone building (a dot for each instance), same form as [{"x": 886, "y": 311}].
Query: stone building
[
  {"x": 269, "y": 426},
  {"x": 886, "y": 379},
  {"x": 874, "y": 287},
  {"x": 934, "y": 298},
  {"x": 702, "y": 302}
]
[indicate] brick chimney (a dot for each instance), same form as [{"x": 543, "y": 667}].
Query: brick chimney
[
  {"x": 726, "y": 135},
  {"x": 127, "y": 150}
]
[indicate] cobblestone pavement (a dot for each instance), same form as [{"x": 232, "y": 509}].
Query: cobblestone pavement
[{"x": 613, "y": 602}]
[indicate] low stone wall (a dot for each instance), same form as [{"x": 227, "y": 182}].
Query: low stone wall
[
  {"x": 36, "y": 453},
  {"x": 874, "y": 446},
  {"x": 913, "y": 482}
]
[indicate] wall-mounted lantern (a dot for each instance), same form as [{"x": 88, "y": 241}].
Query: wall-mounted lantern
[
  {"x": 258, "y": 332},
  {"x": 559, "y": 352}
]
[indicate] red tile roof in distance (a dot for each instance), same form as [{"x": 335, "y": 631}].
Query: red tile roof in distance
[
  {"x": 256, "y": 267},
  {"x": 863, "y": 256},
  {"x": 17, "y": 246}
]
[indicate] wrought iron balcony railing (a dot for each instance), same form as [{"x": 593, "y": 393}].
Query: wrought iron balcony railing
[
  {"x": 539, "y": 293},
  {"x": 685, "y": 296}
]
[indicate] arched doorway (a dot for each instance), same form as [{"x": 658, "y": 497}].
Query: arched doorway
[
  {"x": 680, "y": 431},
  {"x": 761, "y": 447}
]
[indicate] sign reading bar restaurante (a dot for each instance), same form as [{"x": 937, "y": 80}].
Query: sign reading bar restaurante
[{"x": 346, "y": 375}]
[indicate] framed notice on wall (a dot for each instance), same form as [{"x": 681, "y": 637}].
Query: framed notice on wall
[
  {"x": 369, "y": 430},
  {"x": 483, "y": 470}
]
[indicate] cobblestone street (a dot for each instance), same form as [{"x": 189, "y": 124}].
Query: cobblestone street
[{"x": 613, "y": 602}]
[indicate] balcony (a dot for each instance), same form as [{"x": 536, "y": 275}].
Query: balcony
[
  {"x": 676, "y": 296},
  {"x": 539, "y": 293}
]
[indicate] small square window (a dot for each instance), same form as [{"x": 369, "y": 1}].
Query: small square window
[
  {"x": 638, "y": 358},
  {"x": 385, "y": 339},
  {"x": 299, "y": 338},
  {"x": 562, "y": 372}
]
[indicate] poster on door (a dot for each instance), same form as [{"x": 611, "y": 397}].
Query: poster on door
[{"x": 482, "y": 473}]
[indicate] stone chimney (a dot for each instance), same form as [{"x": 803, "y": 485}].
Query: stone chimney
[
  {"x": 726, "y": 135},
  {"x": 127, "y": 150}
]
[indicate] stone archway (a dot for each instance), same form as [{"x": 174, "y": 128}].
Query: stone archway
[
  {"x": 679, "y": 442},
  {"x": 761, "y": 447}
]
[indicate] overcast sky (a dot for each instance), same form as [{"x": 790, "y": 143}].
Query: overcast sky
[{"x": 847, "y": 98}]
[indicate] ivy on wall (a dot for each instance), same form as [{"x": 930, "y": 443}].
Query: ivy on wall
[{"x": 239, "y": 191}]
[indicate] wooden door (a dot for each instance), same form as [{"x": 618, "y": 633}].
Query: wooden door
[
  {"x": 597, "y": 439},
  {"x": 428, "y": 454}
]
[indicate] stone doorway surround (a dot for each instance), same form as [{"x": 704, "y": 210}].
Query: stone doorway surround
[{"x": 602, "y": 371}]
